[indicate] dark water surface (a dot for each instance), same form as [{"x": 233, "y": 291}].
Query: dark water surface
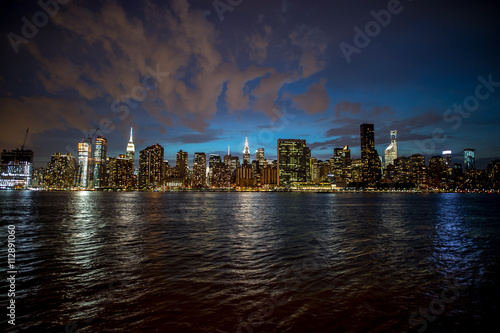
[{"x": 253, "y": 262}]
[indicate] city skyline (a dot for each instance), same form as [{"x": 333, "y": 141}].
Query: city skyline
[
  {"x": 260, "y": 68},
  {"x": 129, "y": 150},
  {"x": 294, "y": 168}
]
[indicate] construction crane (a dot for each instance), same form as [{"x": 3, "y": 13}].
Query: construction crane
[
  {"x": 90, "y": 138},
  {"x": 25, "y": 136}
]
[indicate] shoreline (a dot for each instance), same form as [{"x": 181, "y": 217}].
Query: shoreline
[{"x": 233, "y": 190}]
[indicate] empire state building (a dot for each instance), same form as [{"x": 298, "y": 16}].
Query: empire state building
[
  {"x": 131, "y": 147},
  {"x": 246, "y": 153}
]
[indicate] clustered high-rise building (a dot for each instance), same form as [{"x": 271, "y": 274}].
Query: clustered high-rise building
[
  {"x": 100, "y": 155},
  {"x": 60, "y": 172},
  {"x": 16, "y": 168},
  {"x": 199, "y": 170},
  {"x": 151, "y": 166},
  {"x": 293, "y": 168},
  {"x": 292, "y": 161},
  {"x": 391, "y": 152},
  {"x": 369, "y": 156},
  {"x": 469, "y": 159}
]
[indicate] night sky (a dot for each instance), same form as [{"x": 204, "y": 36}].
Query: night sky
[{"x": 196, "y": 76}]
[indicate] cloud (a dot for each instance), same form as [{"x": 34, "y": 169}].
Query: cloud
[
  {"x": 104, "y": 62},
  {"x": 312, "y": 42},
  {"x": 41, "y": 114},
  {"x": 258, "y": 44},
  {"x": 348, "y": 107},
  {"x": 314, "y": 100},
  {"x": 113, "y": 52}
]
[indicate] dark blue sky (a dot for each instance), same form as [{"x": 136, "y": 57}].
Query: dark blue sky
[{"x": 236, "y": 69}]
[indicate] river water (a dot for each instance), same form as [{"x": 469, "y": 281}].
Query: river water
[{"x": 252, "y": 262}]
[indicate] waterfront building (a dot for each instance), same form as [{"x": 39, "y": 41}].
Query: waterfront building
[
  {"x": 233, "y": 162},
  {"x": 469, "y": 159},
  {"x": 337, "y": 164},
  {"x": 131, "y": 148},
  {"x": 244, "y": 176},
  {"x": 493, "y": 173},
  {"x": 120, "y": 172},
  {"x": 313, "y": 169},
  {"x": 181, "y": 166},
  {"x": 391, "y": 152},
  {"x": 213, "y": 160},
  {"x": 417, "y": 170},
  {"x": 323, "y": 171},
  {"x": 437, "y": 172},
  {"x": 100, "y": 155},
  {"x": 16, "y": 168},
  {"x": 246, "y": 153},
  {"x": 60, "y": 172},
  {"x": 268, "y": 176},
  {"x": 84, "y": 164},
  {"x": 150, "y": 167},
  {"x": 292, "y": 161},
  {"x": 369, "y": 155},
  {"x": 447, "y": 159},
  {"x": 259, "y": 156},
  {"x": 221, "y": 176},
  {"x": 356, "y": 171},
  {"x": 199, "y": 170}
]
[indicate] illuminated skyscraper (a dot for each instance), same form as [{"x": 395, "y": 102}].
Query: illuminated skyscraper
[
  {"x": 120, "y": 172},
  {"x": 259, "y": 156},
  {"x": 233, "y": 162},
  {"x": 151, "y": 166},
  {"x": 347, "y": 156},
  {"x": 293, "y": 165},
  {"x": 16, "y": 168},
  {"x": 84, "y": 161},
  {"x": 246, "y": 153},
  {"x": 369, "y": 156},
  {"x": 100, "y": 154},
  {"x": 447, "y": 159},
  {"x": 391, "y": 152},
  {"x": 337, "y": 163},
  {"x": 244, "y": 176},
  {"x": 181, "y": 166},
  {"x": 199, "y": 170},
  {"x": 214, "y": 159},
  {"x": 131, "y": 148},
  {"x": 469, "y": 159},
  {"x": 60, "y": 172},
  {"x": 213, "y": 162},
  {"x": 313, "y": 169}
]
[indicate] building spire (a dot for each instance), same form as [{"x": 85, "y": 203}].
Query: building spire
[
  {"x": 131, "y": 147},
  {"x": 246, "y": 152},
  {"x": 246, "y": 149}
]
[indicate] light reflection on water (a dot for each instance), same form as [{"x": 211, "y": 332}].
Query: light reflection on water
[{"x": 202, "y": 262}]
